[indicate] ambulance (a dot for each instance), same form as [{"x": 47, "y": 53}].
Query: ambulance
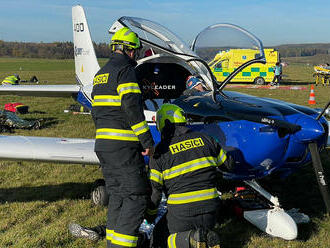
[{"x": 225, "y": 62}]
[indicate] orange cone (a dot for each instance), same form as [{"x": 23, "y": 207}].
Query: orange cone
[{"x": 312, "y": 96}]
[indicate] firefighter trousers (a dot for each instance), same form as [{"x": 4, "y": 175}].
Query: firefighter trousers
[
  {"x": 126, "y": 183},
  {"x": 180, "y": 226}
]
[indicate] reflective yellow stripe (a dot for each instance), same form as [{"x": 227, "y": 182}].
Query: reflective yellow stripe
[
  {"x": 123, "y": 89},
  {"x": 106, "y": 100},
  {"x": 124, "y": 240},
  {"x": 193, "y": 196},
  {"x": 189, "y": 166},
  {"x": 171, "y": 241},
  {"x": 152, "y": 211},
  {"x": 156, "y": 176},
  {"x": 140, "y": 128},
  {"x": 116, "y": 134},
  {"x": 109, "y": 234},
  {"x": 221, "y": 157}
]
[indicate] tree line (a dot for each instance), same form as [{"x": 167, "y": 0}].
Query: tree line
[
  {"x": 55, "y": 50},
  {"x": 65, "y": 50},
  {"x": 302, "y": 50}
]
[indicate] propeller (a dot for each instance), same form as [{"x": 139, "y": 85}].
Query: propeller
[
  {"x": 320, "y": 175},
  {"x": 324, "y": 111}
]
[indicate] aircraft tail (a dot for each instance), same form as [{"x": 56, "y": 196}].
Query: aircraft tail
[{"x": 86, "y": 64}]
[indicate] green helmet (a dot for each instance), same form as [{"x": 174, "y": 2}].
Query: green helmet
[
  {"x": 125, "y": 37},
  {"x": 170, "y": 112}
]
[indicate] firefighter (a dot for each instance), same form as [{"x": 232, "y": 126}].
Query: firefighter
[
  {"x": 184, "y": 167},
  {"x": 122, "y": 137},
  {"x": 11, "y": 80}
]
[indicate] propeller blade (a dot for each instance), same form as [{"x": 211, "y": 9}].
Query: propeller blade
[
  {"x": 320, "y": 175},
  {"x": 323, "y": 111}
]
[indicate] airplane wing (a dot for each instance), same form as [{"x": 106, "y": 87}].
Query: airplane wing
[
  {"x": 40, "y": 90},
  {"x": 48, "y": 149}
]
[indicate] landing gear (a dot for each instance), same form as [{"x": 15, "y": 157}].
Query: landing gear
[
  {"x": 267, "y": 215},
  {"x": 320, "y": 175},
  {"x": 99, "y": 195}
]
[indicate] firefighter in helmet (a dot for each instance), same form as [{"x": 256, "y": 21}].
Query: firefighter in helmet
[
  {"x": 122, "y": 138},
  {"x": 184, "y": 167}
]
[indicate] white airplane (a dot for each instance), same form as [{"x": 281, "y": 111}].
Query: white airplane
[{"x": 167, "y": 53}]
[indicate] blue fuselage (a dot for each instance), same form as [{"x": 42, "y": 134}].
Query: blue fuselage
[{"x": 262, "y": 135}]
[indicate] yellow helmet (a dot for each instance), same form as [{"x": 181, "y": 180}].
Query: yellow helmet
[
  {"x": 170, "y": 112},
  {"x": 125, "y": 37}
]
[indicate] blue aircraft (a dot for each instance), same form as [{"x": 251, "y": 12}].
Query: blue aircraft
[{"x": 260, "y": 135}]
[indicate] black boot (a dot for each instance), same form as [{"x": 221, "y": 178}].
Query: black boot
[
  {"x": 198, "y": 238},
  {"x": 213, "y": 239}
]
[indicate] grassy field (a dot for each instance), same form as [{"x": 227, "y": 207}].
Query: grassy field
[{"x": 39, "y": 200}]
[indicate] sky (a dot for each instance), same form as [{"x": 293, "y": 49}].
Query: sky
[{"x": 275, "y": 22}]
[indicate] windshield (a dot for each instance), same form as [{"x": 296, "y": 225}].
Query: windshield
[
  {"x": 157, "y": 39},
  {"x": 157, "y": 34},
  {"x": 227, "y": 47}
]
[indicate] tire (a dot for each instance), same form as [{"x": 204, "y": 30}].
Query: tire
[
  {"x": 99, "y": 196},
  {"x": 259, "y": 81}
]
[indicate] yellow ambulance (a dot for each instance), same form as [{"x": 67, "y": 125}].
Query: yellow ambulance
[{"x": 225, "y": 62}]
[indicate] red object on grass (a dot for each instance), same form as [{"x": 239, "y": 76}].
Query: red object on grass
[{"x": 16, "y": 107}]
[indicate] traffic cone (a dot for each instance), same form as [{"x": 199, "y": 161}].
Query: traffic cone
[{"x": 312, "y": 96}]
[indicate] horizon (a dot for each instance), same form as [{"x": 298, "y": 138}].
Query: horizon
[
  {"x": 265, "y": 46},
  {"x": 274, "y": 23}
]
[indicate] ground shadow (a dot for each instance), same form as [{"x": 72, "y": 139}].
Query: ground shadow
[
  {"x": 294, "y": 82},
  {"x": 37, "y": 112},
  {"x": 49, "y": 193},
  {"x": 45, "y": 122}
]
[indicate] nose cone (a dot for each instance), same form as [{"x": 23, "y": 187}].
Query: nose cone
[{"x": 311, "y": 129}]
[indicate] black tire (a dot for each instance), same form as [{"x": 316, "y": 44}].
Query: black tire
[
  {"x": 99, "y": 196},
  {"x": 259, "y": 81}
]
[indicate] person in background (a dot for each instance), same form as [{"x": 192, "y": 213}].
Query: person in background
[
  {"x": 184, "y": 166},
  {"x": 277, "y": 74},
  {"x": 193, "y": 85},
  {"x": 11, "y": 80}
]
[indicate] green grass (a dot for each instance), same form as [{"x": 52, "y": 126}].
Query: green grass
[{"x": 38, "y": 200}]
